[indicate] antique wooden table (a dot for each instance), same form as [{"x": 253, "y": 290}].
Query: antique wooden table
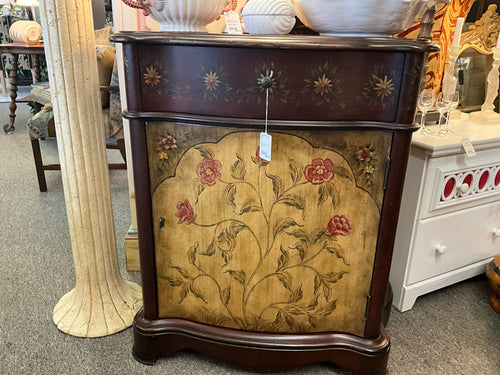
[
  {"x": 268, "y": 265},
  {"x": 16, "y": 49}
]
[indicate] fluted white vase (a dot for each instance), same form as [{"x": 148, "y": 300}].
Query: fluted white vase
[{"x": 269, "y": 16}]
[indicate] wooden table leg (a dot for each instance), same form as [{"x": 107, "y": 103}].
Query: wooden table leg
[
  {"x": 37, "y": 76},
  {"x": 8, "y": 128}
]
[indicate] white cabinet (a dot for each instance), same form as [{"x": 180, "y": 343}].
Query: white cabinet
[{"x": 449, "y": 223}]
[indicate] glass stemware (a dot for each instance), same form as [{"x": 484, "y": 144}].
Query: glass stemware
[
  {"x": 425, "y": 103},
  {"x": 454, "y": 100},
  {"x": 443, "y": 103}
]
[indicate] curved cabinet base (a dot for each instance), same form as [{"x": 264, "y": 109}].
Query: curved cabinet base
[{"x": 259, "y": 351}]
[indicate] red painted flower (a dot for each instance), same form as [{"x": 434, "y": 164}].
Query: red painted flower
[
  {"x": 184, "y": 212},
  {"x": 365, "y": 154},
  {"x": 319, "y": 171},
  {"x": 209, "y": 171},
  {"x": 339, "y": 225},
  {"x": 169, "y": 142}
]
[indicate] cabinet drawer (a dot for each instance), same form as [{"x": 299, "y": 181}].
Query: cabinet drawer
[
  {"x": 463, "y": 238},
  {"x": 459, "y": 182}
]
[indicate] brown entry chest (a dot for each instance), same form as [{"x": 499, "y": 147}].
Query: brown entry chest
[{"x": 268, "y": 264}]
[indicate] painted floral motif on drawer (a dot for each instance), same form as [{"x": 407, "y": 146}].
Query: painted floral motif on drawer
[
  {"x": 318, "y": 87},
  {"x": 273, "y": 246}
]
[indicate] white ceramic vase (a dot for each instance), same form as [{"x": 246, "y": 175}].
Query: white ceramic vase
[
  {"x": 360, "y": 17},
  {"x": 268, "y": 16},
  {"x": 180, "y": 15}
]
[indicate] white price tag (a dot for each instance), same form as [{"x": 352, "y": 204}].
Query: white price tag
[
  {"x": 468, "y": 147},
  {"x": 233, "y": 24},
  {"x": 265, "y": 146}
]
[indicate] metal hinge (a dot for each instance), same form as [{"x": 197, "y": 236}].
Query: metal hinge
[
  {"x": 386, "y": 170},
  {"x": 367, "y": 307}
]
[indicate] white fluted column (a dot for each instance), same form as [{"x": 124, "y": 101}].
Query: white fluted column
[{"x": 102, "y": 302}]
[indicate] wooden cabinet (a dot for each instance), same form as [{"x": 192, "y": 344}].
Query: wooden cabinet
[
  {"x": 268, "y": 265},
  {"x": 450, "y": 214}
]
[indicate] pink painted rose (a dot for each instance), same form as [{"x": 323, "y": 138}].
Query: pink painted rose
[
  {"x": 319, "y": 171},
  {"x": 339, "y": 225},
  {"x": 184, "y": 212},
  {"x": 365, "y": 154},
  {"x": 209, "y": 171}
]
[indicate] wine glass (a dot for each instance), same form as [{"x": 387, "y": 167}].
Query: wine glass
[
  {"x": 454, "y": 99},
  {"x": 425, "y": 102},
  {"x": 443, "y": 103}
]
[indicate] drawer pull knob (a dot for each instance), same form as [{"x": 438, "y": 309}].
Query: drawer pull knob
[
  {"x": 464, "y": 188},
  {"x": 496, "y": 232},
  {"x": 441, "y": 249}
]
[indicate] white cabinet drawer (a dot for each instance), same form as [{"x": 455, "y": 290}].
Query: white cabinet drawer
[{"x": 448, "y": 242}]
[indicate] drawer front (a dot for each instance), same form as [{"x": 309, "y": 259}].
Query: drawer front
[
  {"x": 449, "y": 242},
  {"x": 284, "y": 246},
  {"x": 306, "y": 85},
  {"x": 457, "y": 182}
]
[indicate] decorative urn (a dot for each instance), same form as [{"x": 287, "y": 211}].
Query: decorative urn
[{"x": 181, "y": 15}]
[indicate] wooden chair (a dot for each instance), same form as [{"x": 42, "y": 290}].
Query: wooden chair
[{"x": 41, "y": 125}]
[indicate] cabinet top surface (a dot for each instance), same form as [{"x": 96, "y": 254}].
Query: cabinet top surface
[
  {"x": 275, "y": 41},
  {"x": 481, "y": 136}
]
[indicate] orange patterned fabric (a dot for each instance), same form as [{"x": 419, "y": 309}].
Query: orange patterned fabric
[
  {"x": 456, "y": 9},
  {"x": 445, "y": 20}
]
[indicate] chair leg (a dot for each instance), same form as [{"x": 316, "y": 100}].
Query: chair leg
[
  {"x": 35, "y": 145},
  {"x": 121, "y": 146}
]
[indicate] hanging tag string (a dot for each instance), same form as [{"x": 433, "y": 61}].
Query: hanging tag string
[{"x": 267, "y": 100}]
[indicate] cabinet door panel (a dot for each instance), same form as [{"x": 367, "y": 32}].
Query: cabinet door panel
[{"x": 280, "y": 246}]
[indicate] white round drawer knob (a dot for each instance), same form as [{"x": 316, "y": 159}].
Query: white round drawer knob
[
  {"x": 496, "y": 232},
  {"x": 441, "y": 249},
  {"x": 464, "y": 188}
]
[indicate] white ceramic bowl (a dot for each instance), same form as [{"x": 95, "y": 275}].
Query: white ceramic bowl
[
  {"x": 268, "y": 16},
  {"x": 181, "y": 15},
  {"x": 360, "y": 17}
]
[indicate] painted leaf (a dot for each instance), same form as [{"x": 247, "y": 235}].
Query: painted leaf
[
  {"x": 333, "y": 277},
  {"x": 230, "y": 193},
  {"x": 238, "y": 275},
  {"x": 327, "y": 292},
  {"x": 173, "y": 281},
  {"x": 343, "y": 172},
  {"x": 198, "y": 189},
  {"x": 295, "y": 170},
  {"x": 296, "y": 295},
  {"x": 192, "y": 253},
  {"x": 284, "y": 223},
  {"x": 182, "y": 271},
  {"x": 317, "y": 283},
  {"x": 210, "y": 249},
  {"x": 277, "y": 319},
  {"x": 286, "y": 279},
  {"x": 328, "y": 309},
  {"x": 277, "y": 184},
  {"x": 184, "y": 292},
  {"x": 247, "y": 206},
  {"x": 338, "y": 251},
  {"x": 300, "y": 249},
  {"x": 301, "y": 235},
  {"x": 293, "y": 200},
  {"x": 320, "y": 235},
  {"x": 225, "y": 242},
  {"x": 226, "y": 256},
  {"x": 238, "y": 170},
  {"x": 283, "y": 259},
  {"x": 196, "y": 292},
  {"x": 226, "y": 295},
  {"x": 205, "y": 152},
  {"x": 234, "y": 228},
  {"x": 289, "y": 320}
]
